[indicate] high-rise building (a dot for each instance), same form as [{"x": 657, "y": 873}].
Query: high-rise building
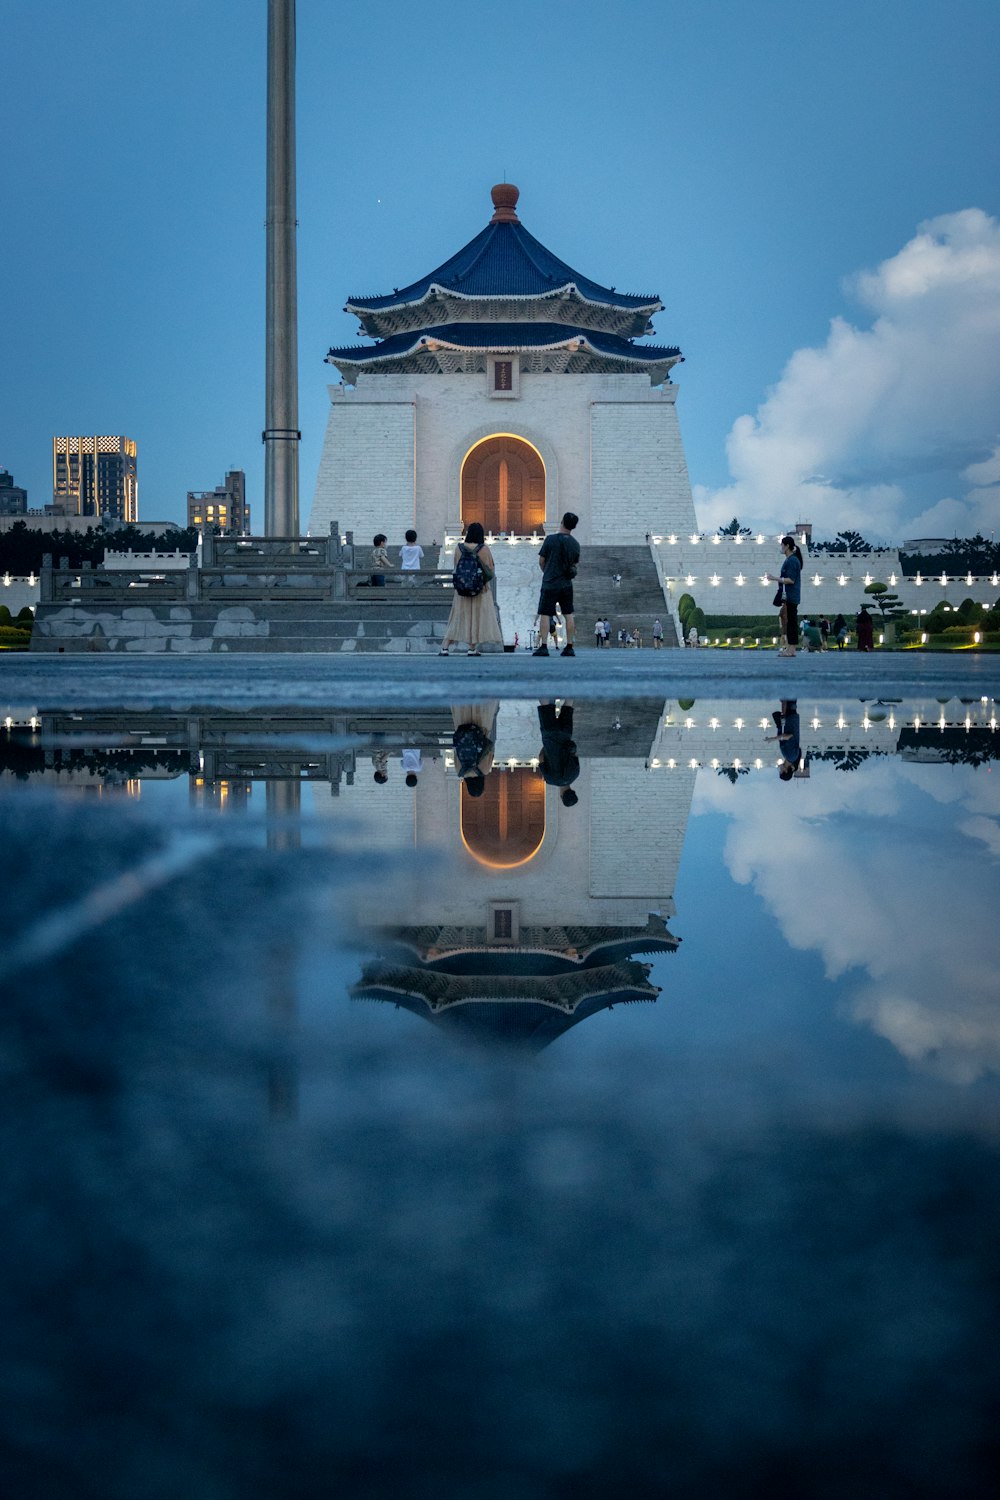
[
  {"x": 13, "y": 499},
  {"x": 224, "y": 507},
  {"x": 95, "y": 476}
]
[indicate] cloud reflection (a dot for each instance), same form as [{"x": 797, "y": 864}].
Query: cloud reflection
[{"x": 890, "y": 871}]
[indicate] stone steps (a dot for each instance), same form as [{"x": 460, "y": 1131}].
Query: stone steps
[{"x": 637, "y": 600}]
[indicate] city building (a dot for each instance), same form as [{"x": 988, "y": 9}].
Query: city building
[
  {"x": 224, "y": 508},
  {"x": 96, "y": 477},
  {"x": 13, "y": 499}
]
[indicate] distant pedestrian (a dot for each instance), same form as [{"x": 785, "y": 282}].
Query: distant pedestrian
[
  {"x": 607, "y": 631},
  {"x": 693, "y": 636},
  {"x": 811, "y": 636},
  {"x": 411, "y": 555},
  {"x": 824, "y": 630},
  {"x": 379, "y": 563},
  {"x": 599, "y": 634},
  {"x": 840, "y": 631},
  {"x": 637, "y": 637},
  {"x": 558, "y": 558},
  {"x": 865, "y": 627},
  {"x": 657, "y": 634},
  {"x": 616, "y": 579}
]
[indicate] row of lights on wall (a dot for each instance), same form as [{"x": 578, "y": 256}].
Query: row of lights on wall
[{"x": 918, "y": 721}]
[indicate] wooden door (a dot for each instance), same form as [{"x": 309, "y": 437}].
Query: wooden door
[
  {"x": 503, "y": 486},
  {"x": 506, "y": 825}
]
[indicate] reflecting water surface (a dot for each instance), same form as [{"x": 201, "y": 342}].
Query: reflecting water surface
[{"x": 517, "y": 1099}]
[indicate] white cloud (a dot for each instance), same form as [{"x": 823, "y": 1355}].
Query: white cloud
[
  {"x": 906, "y": 922},
  {"x": 886, "y": 428}
]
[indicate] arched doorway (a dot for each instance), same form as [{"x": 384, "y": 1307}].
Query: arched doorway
[
  {"x": 506, "y": 825},
  {"x": 503, "y": 485}
]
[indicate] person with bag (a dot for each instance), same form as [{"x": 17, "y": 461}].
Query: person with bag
[
  {"x": 473, "y": 616},
  {"x": 474, "y": 743},
  {"x": 789, "y": 580},
  {"x": 558, "y": 559}
]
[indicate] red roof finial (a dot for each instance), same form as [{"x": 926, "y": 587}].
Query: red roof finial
[{"x": 505, "y": 196}]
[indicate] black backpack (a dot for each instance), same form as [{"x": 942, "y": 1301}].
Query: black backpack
[
  {"x": 469, "y": 577},
  {"x": 468, "y": 742}
]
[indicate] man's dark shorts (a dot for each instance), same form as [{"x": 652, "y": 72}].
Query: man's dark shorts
[{"x": 556, "y": 593}]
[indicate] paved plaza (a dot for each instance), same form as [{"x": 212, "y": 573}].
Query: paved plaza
[{"x": 38, "y": 683}]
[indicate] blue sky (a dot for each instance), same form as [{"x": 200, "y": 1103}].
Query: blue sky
[{"x": 749, "y": 163}]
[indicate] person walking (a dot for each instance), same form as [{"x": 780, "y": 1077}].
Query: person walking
[
  {"x": 473, "y": 616},
  {"x": 558, "y": 558},
  {"x": 790, "y": 580},
  {"x": 840, "y": 631},
  {"x": 657, "y": 634},
  {"x": 599, "y": 634}
]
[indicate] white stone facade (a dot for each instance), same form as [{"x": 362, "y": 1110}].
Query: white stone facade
[
  {"x": 395, "y": 446},
  {"x": 727, "y": 576}
]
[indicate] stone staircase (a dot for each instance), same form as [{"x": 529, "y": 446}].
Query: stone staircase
[{"x": 637, "y": 600}]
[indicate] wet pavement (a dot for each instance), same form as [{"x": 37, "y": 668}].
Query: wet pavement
[{"x": 379, "y": 1129}]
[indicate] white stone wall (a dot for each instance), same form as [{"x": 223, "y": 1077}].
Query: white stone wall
[
  {"x": 587, "y": 428},
  {"x": 710, "y": 570},
  {"x": 366, "y": 477},
  {"x": 639, "y": 476},
  {"x": 17, "y": 592}
]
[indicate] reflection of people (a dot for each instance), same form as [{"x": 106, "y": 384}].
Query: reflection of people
[
  {"x": 412, "y": 765},
  {"x": 865, "y": 627},
  {"x": 790, "y": 577},
  {"x": 380, "y": 762},
  {"x": 786, "y": 721},
  {"x": 558, "y": 762},
  {"x": 474, "y": 743},
  {"x": 473, "y": 618},
  {"x": 558, "y": 559}
]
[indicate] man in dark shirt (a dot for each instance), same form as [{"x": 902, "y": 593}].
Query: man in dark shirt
[
  {"x": 558, "y": 557},
  {"x": 558, "y": 762}
]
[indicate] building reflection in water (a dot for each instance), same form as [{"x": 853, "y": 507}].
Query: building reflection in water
[{"x": 548, "y": 836}]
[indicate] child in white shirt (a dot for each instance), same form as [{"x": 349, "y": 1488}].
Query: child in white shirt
[{"x": 410, "y": 555}]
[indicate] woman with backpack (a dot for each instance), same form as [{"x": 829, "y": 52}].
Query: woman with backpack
[{"x": 473, "y": 615}]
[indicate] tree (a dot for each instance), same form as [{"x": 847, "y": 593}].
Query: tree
[
  {"x": 735, "y": 529},
  {"x": 853, "y": 541},
  {"x": 890, "y": 605}
]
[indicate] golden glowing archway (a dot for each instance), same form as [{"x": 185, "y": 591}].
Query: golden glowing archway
[
  {"x": 505, "y": 827},
  {"x": 503, "y": 485}
]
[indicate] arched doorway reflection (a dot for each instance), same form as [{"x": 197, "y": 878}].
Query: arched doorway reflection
[
  {"x": 503, "y": 485},
  {"x": 506, "y": 825}
]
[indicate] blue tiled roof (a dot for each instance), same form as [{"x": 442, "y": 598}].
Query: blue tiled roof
[
  {"x": 503, "y": 336},
  {"x": 504, "y": 260}
]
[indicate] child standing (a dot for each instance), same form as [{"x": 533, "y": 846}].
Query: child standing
[
  {"x": 410, "y": 555},
  {"x": 380, "y": 563}
]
